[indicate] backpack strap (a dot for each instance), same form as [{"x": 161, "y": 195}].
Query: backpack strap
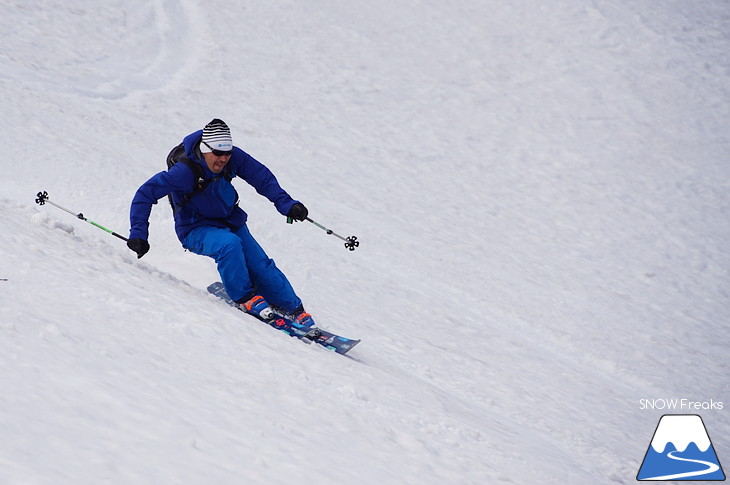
[{"x": 177, "y": 155}]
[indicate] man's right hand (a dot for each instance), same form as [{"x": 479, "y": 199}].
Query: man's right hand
[{"x": 139, "y": 246}]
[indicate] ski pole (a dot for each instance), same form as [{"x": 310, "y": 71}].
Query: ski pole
[
  {"x": 350, "y": 242},
  {"x": 43, "y": 198}
]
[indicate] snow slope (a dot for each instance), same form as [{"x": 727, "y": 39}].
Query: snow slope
[{"x": 541, "y": 192}]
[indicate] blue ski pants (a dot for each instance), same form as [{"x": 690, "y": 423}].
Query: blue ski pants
[{"x": 243, "y": 265}]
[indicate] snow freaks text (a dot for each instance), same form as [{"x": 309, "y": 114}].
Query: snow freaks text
[{"x": 680, "y": 404}]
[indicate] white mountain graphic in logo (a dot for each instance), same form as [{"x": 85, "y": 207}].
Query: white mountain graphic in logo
[{"x": 681, "y": 450}]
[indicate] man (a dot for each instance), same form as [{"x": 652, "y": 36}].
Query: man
[{"x": 208, "y": 220}]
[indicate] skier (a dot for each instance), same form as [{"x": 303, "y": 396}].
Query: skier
[{"x": 208, "y": 220}]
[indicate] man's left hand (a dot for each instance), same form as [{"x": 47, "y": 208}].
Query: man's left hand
[{"x": 298, "y": 212}]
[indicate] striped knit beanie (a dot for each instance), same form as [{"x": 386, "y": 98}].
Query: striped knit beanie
[{"x": 216, "y": 136}]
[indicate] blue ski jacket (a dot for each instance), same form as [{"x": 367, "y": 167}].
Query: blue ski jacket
[{"x": 217, "y": 205}]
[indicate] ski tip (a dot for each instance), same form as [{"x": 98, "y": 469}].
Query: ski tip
[
  {"x": 352, "y": 344},
  {"x": 344, "y": 347}
]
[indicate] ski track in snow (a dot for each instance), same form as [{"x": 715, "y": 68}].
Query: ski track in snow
[
  {"x": 540, "y": 192},
  {"x": 118, "y": 66}
]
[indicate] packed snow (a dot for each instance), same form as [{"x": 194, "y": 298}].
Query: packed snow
[{"x": 542, "y": 195}]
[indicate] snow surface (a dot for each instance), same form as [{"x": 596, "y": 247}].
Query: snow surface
[{"x": 540, "y": 188}]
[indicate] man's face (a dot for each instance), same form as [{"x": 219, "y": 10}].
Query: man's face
[{"x": 216, "y": 163}]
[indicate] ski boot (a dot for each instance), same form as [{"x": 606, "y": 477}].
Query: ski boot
[
  {"x": 305, "y": 323},
  {"x": 257, "y": 307}
]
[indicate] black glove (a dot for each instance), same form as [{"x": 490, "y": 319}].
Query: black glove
[
  {"x": 139, "y": 246},
  {"x": 298, "y": 212}
]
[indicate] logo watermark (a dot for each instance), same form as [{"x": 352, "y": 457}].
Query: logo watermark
[{"x": 680, "y": 450}]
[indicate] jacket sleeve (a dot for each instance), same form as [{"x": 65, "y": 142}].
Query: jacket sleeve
[
  {"x": 178, "y": 179},
  {"x": 260, "y": 178}
]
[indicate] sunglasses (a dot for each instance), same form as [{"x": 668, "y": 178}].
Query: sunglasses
[{"x": 218, "y": 153}]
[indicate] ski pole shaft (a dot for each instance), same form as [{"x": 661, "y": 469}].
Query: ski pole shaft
[
  {"x": 329, "y": 231},
  {"x": 350, "y": 242},
  {"x": 43, "y": 198}
]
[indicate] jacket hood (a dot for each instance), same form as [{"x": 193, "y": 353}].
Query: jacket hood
[{"x": 192, "y": 144}]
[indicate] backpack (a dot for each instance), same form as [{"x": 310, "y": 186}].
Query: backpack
[{"x": 177, "y": 155}]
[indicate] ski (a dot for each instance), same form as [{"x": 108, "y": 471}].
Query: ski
[{"x": 328, "y": 340}]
